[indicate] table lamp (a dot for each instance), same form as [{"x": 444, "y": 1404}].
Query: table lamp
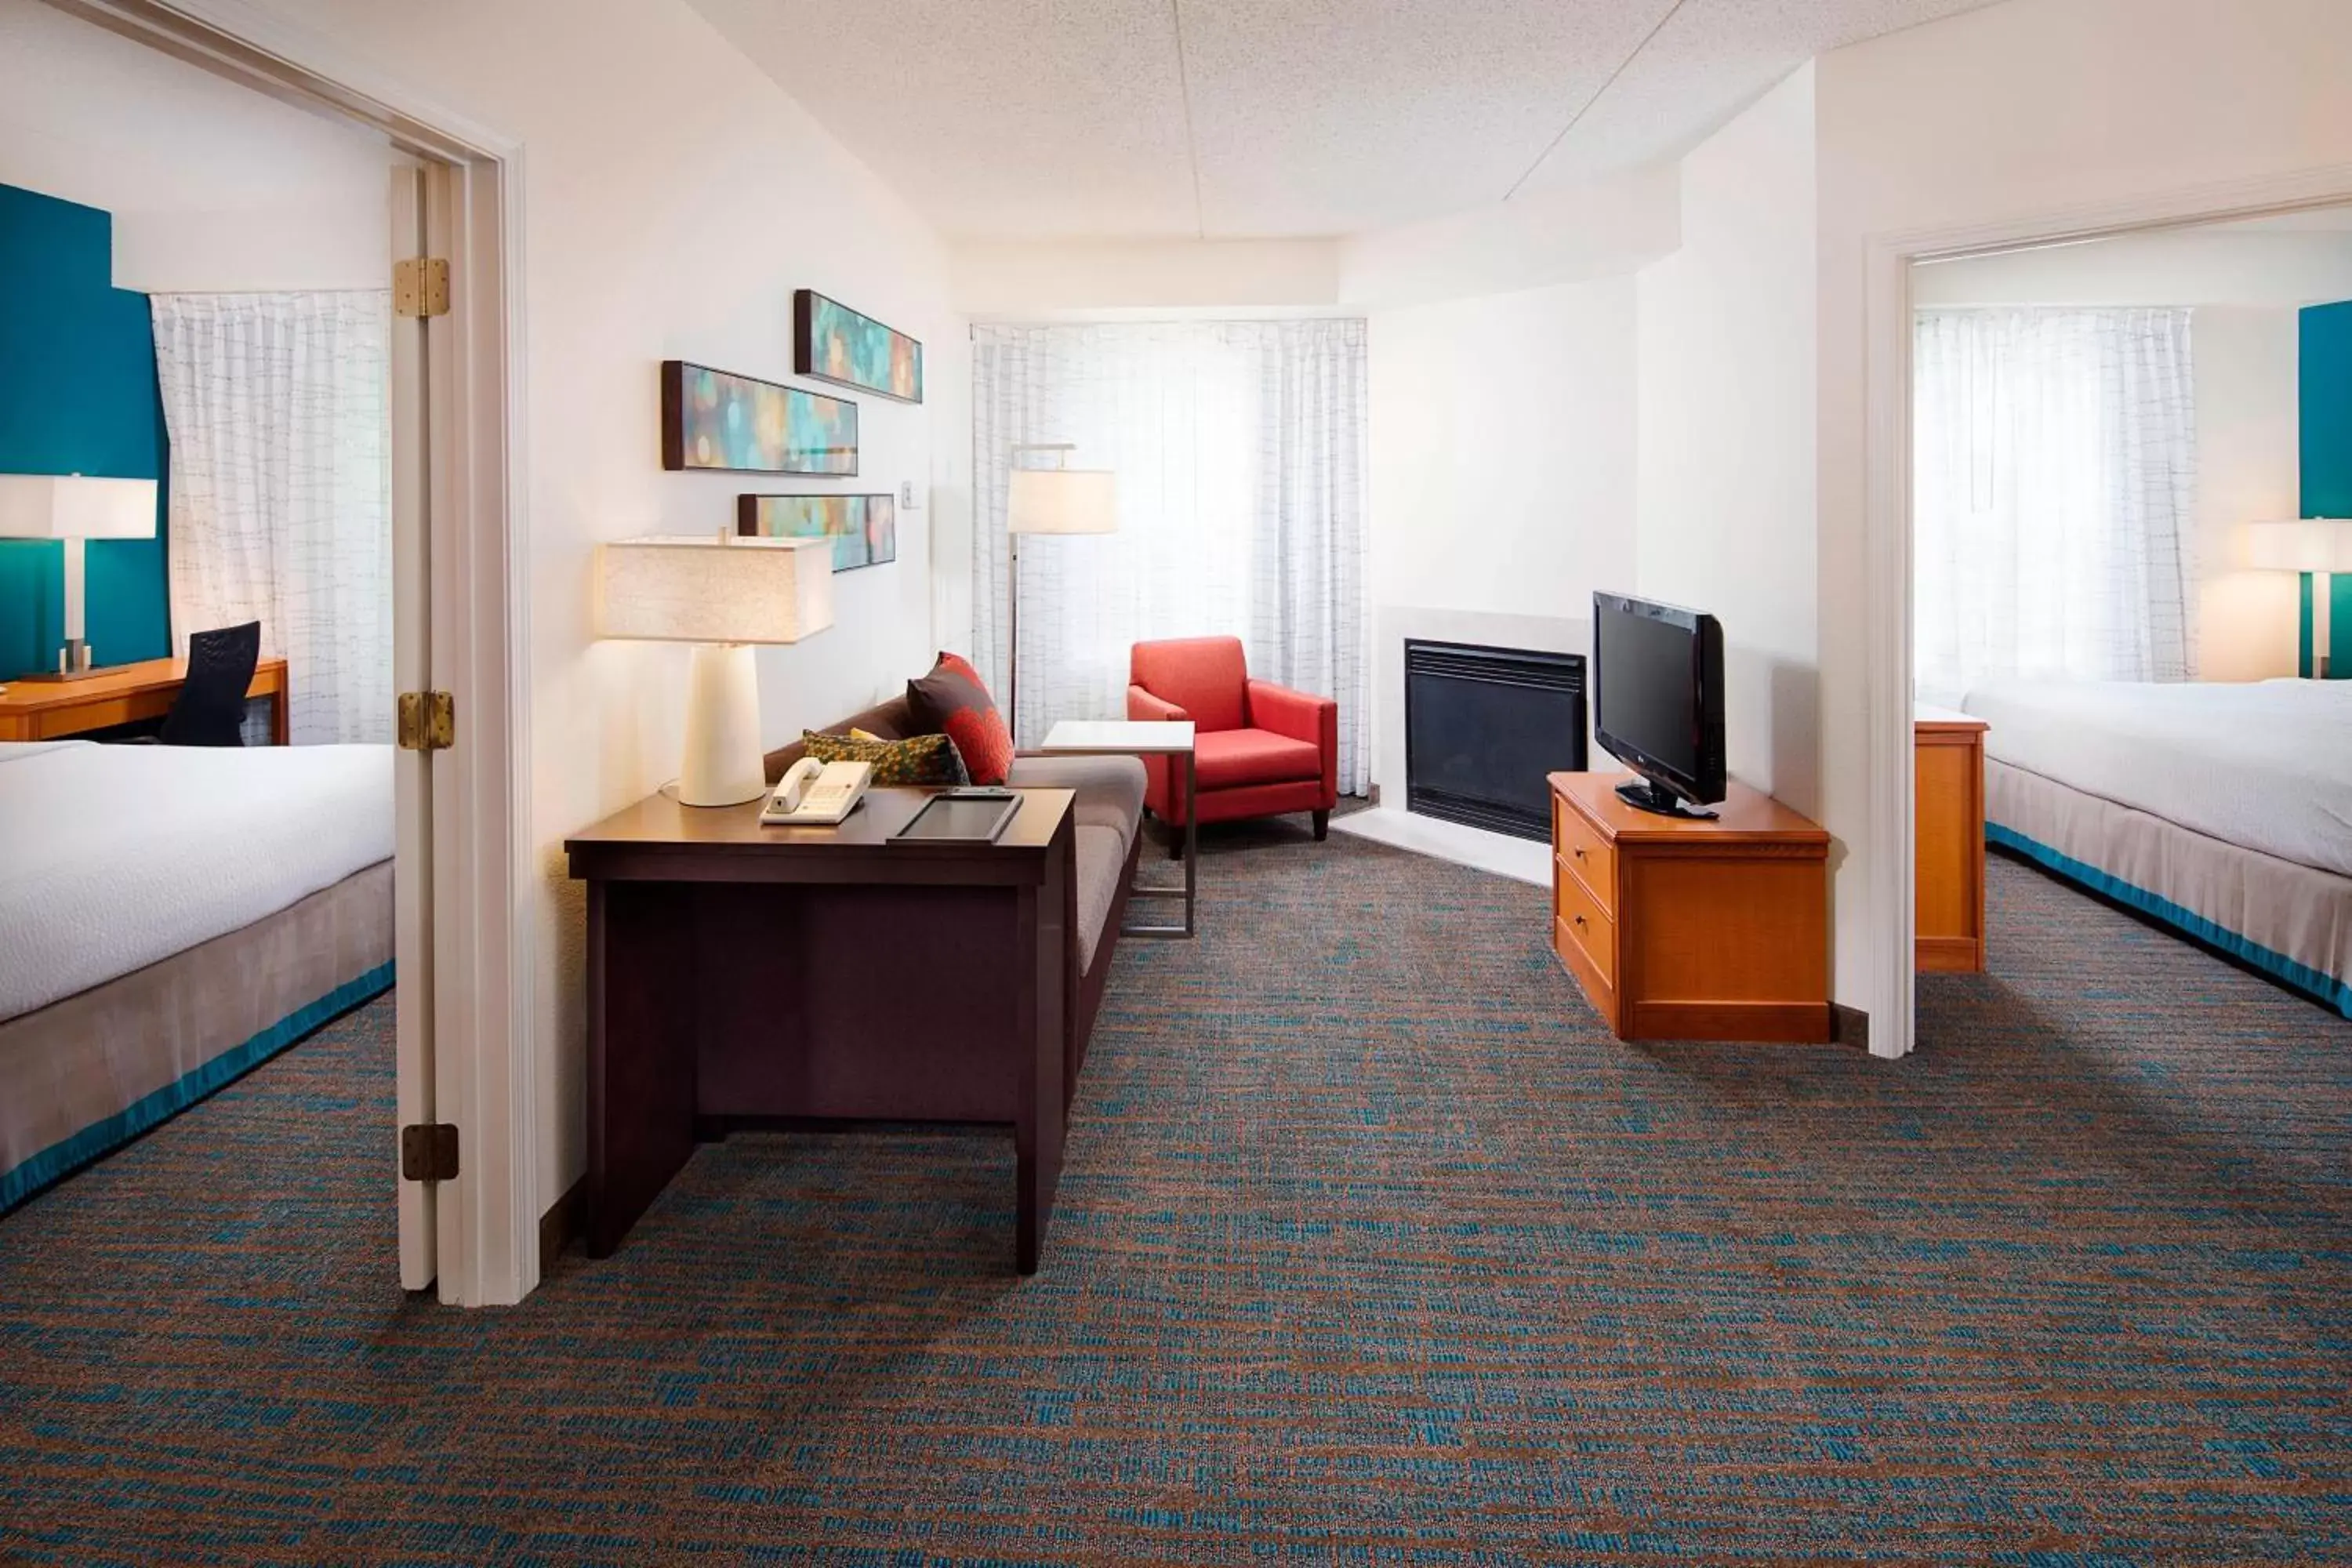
[
  {"x": 1059, "y": 499},
  {"x": 71, "y": 509},
  {"x": 722, "y": 594},
  {"x": 2317, "y": 545}
]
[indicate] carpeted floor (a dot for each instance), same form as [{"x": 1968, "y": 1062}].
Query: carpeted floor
[{"x": 1372, "y": 1248}]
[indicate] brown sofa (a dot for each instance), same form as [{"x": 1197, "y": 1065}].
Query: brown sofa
[{"x": 1107, "y": 839}]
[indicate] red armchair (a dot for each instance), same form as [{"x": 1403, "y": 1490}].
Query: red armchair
[{"x": 1258, "y": 749}]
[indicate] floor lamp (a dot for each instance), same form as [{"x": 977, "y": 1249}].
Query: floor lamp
[
  {"x": 2317, "y": 545},
  {"x": 1059, "y": 499}
]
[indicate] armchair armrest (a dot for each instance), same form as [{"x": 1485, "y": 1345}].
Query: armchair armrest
[
  {"x": 1144, "y": 708},
  {"x": 1302, "y": 717}
]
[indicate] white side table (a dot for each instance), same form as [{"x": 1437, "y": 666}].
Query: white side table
[{"x": 1144, "y": 738}]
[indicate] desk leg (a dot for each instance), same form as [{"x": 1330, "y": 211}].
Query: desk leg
[
  {"x": 641, "y": 1058},
  {"x": 1040, "y": 1123},
  {"x": 281, "y": 726}
]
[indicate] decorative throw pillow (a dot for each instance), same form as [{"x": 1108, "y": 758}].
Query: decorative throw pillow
[
  {"x": 857, "y": 734},
  {"x": 951, "y": 701},
  {"x": 922, "y": 759}
]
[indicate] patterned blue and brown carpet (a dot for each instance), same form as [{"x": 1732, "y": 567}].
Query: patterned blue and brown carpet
[{"x": 1372, "y": 1248}]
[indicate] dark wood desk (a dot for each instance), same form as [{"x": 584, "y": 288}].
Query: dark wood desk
[
  {"x": 120, "y": 694},
  {"x": 741, "y": 973}
]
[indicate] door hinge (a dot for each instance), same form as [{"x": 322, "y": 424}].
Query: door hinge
[
  {"x": 420, "y": 286},
  {"x": 428, "y": 1151},
  {"x": 428, "y": 721}
]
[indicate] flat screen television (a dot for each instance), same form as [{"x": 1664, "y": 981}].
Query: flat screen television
[{"x": 1657, "y": 702}]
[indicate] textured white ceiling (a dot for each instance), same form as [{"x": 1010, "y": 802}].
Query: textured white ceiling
[{"x": 1226, "y": 119}]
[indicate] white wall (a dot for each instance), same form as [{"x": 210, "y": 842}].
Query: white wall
[
  {"x": 674, "y": 198},
  {"x": 2245, "y": 287},
  {"x": 1727, "y": 384},
  {"x": 1601, "y": 229},
  {"x": 2033, "y": 107},
  {"x": 1009, "y": 281},
  {"x": 213, "y": 188},
  {"x": 1502, "y": 481}
]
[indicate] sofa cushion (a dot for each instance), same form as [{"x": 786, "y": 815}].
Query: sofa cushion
[
  {"x": 1206, "y": 677},
  {"x": 1109, "y": 789},
  {"x": 951, "y": 701},
  {"x": 1228, "y": 759},
  {"x": 1100, "y": 855}
]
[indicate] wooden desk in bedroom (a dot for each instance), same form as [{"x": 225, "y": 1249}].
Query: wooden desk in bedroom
[
  {"x": 120, "y": 694},
  {"x": 1948, "y": 833}
]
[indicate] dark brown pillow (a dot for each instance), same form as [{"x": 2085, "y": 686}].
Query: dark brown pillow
[{"x": 951, "y": 701}]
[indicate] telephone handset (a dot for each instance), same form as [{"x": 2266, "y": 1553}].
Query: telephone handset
[{"x": 819, "y": 793}]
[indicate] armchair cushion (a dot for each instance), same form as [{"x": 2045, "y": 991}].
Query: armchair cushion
[
  {"x": 1204, "y": 676},
  {"x": 1229, "y": 759}
]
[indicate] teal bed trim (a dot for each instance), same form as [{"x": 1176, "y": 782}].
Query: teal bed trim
[
  {"x": 2312, "y": 982},
  {"x": 60, "y": 1160}
]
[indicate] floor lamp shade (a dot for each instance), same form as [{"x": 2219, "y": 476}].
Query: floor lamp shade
[
  {"x": 72, "y": 507},
  {"x": 1062, "y": 501},
  {"x": 723, "y": 594}
]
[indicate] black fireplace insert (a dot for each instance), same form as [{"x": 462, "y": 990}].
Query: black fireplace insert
[{"x": 1482, "y": 726}]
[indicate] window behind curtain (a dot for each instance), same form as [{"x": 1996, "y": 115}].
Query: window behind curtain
[
  {"x": 2054, "y": 475},
  {"x": 1239, "y": 447}
]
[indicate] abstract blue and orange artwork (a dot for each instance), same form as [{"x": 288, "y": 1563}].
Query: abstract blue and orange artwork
[
  {"x": 832, "y": 342},
  {"x": 713, "y": 419},
  {"x": 864, "y": 528}
]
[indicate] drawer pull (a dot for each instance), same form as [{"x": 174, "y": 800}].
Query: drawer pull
[
  {"x": 1578, "y": 851},
  {"x": 1578, "y": 919}
]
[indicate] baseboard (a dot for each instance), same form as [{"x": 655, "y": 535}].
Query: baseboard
[
  {"x": 1764, "y": 1023},
  {"x": 562, "y": 1225},
  {"x": 1849, "y": 1026},
  {"x": 1948, "y": 955}
]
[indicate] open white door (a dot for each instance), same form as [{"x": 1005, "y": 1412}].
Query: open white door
[{"x": 412, "y": 659}]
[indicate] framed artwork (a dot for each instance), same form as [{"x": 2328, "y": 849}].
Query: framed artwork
[
  {"x": 864, "y": 528},
  {"x": 832, "y": 342},
  {"x": 714, "y": 419}
]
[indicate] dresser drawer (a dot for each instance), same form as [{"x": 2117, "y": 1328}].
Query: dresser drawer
[
  {"x": 1582, "y": 851},
  {"x": 1581, "y": 918}
]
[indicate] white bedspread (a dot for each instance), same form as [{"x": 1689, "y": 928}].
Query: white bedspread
[
  {"x": 2265, "y": 765},
  {"x": 114, "y": 857}
]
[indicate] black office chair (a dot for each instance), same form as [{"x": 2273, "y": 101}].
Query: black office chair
[{"x": 210, "y": 709}]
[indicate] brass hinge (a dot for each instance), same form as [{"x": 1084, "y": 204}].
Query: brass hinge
[
  {"x": 420, "y": 287},
  {"x": 428, "y": 721},
  {"x": 428, "y": 1151}
]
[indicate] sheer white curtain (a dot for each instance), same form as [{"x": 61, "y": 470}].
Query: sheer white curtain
[
  {"x": 2055, "y": 474},
  {"x": 1239, "y": 447},
  {"x": 278, "y": 409}
]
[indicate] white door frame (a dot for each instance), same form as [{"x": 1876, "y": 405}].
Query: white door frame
[
  {"x": 483, "y": 931},
  {"x": 1887, "y": 602}
]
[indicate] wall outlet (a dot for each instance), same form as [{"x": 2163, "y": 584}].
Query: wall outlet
[{"x": 909, "y": 499}]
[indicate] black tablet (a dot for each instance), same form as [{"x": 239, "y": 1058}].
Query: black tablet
[{"x": 958, "y": 819}]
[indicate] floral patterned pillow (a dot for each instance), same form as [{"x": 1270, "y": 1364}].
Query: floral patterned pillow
[{"x": 922, "y": 759}]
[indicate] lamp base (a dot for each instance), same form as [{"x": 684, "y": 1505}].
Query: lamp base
[
  {"x": 73, "y": 663},
  {"x": 723, "y": 765}
]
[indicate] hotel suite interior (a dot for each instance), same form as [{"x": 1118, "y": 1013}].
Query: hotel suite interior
[{"x": 1176, "y": 780}]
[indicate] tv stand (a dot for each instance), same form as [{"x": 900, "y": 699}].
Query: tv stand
[
  {"x": 1641, "y": 794},
  {"x": 1681, "y": 928}
]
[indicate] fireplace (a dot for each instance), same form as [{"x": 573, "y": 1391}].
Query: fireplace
[{"x": 1482, "y": 726}]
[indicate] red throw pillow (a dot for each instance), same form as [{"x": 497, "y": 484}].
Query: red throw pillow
[{"x": 951, "y": 701}]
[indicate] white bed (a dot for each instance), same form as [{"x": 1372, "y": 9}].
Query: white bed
[
  {"x": 169, "y": 916},
  {"x": 2225, "y": 809}
]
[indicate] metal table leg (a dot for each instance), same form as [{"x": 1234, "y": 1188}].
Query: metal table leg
[{"x": 1190, "y": 892}]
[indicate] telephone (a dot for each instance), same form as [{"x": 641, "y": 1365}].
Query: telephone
[{"x": 816, "y": 793}]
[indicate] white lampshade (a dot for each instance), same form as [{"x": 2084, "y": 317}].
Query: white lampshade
[
  {"x": 1062, "y": 500},
  {"x": 70, "y": 506},
  {"x": 2307, "y": 544},
  {"x": 714, "y": 589}
]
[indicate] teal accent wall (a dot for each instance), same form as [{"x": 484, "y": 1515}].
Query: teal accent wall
[
  {"x": 2327, "y": 395},
  {"x": 77, "y": 395}
]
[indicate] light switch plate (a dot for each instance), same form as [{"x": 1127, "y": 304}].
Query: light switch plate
[{"x": 908, "y": 500}]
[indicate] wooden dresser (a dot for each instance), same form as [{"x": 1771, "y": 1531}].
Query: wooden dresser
[
  {"x": 1686, "y": 930},
  {"x": 1947, "y": 764}
]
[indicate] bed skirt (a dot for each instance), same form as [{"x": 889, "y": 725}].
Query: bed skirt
[
  {"x": 2292, "y": 922},
  {"x": 88, "y": 1074}
]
